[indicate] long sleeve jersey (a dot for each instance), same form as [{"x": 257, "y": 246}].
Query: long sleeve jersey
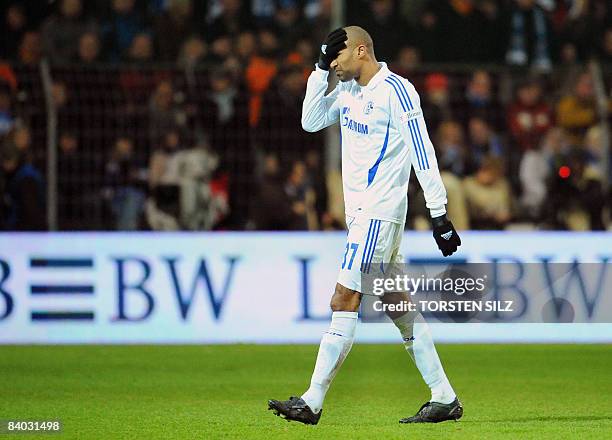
[{"x": 383, "y": 136}]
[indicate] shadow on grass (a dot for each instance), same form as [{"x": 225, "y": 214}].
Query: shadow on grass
[{"x": 544, "y": 419}]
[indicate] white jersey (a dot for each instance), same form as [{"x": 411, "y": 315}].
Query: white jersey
[{"x": 383, "y": 135}]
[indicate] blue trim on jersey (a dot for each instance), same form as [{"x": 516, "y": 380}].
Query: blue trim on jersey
[
  {"x": 365, "y": 247},
  {"x": 366, "y": 250},
  {"x": 413, "y": 135},
  {"x": 373, "y": 248},
  {"x": 372, "y": 171},
  {"x": 397, "y": 92},
  {"x": 402, "y": 102},
  {"x": 420, "y": 147},
  {"x": 419, "y": 142},
  {"x": 404, "y": 88},
  {"x": 416, "y": 123},
  {"x": 415, "y": 142}
]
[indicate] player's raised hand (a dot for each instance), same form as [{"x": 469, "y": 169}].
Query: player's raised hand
[
  {"x": 445, "y": 235},
  {"x": 334, "y": 43}
]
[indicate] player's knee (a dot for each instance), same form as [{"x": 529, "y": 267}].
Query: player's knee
[
  {"x": 396, "y": 305},
  {"x": 345, "y": 300}
]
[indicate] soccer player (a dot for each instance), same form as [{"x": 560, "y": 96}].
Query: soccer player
[{"x": 383, "y": 136}]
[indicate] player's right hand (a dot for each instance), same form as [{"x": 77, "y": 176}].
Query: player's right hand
[
  {"x": 334, "y": 43},
  {"x": 445, "y": 235}
]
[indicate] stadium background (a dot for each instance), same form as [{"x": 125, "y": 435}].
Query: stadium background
[{"x": 151, "y": 155}]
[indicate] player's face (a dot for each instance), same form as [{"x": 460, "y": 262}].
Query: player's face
[{"x": 344, "y": 64}]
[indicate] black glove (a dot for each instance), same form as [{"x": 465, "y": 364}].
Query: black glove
[
  {"x": 334, "y": 43},
  {"x": 445, "y": 235}
]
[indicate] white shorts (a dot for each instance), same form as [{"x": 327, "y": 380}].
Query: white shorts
[{"x": 369, "y": 243}]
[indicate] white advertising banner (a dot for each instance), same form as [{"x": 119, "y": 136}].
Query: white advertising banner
[{"x": 244, "y": 287}]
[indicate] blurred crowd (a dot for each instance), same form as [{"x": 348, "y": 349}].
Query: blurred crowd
[{"x": 185, "y": 115}]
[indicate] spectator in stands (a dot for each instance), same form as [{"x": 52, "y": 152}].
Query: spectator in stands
[
  {"x": 436, "y": 102},
  {"x": 121, "y": 29},
  {"x": 462, "y": 26},
  {"x": 483, "y": 141},
  {"x": 452, "y": 152},
  {"x": 577, "y": 111},
  {"x": 232, "y": 19},
  {"x": 62, "y": 30},
  {"x": 316, "y": 178},
  {"x": 245, "y": 46},
  {"x": 492, "y": 18},
  {"x": 289, "y": 24},
  {"x": 193, "y": 52},
  {"x": 72, "y": 172},
  {"x": 428, "y": 35},
  {"x": 221, "y": 48},
  {"x": 30, "y": 49},
  {"x": 280, "y": 128},
  {"x": 8, "y": 76},
  {"x": 23, "y": 197},
  {"x": 141, "y": 49},
  {"x": 59, "y": 95},
  {"x": 301, "y": 198},
  {"x": 260, "y": 72},
  {"x": 535, "y": 170},
  {"x": 138, "y": 84},
  {"x": 204, "y": 195},
  {"x": 21, "y": 137},
  {"x": 169, "y": 145},
  {"x": 556, "y": 143},
  {"x": 225, "y": 111},
  {"x": 163, "y": 207},
  {"x": 579, "y": 30},
  {"x": 528, "y": 35},
  {"x": 184, "y": 195},
  {"x": 272, "y": 210},
  {"x": 605, "y": 47},
  {"x": 382, "y": 23},
  {"x": 408, "y": 60},
  {"x": 480, "y": 100},
  {"x": 533, "y": 175},
  {"x": 303, "y": 54},
  {"x": 173, "y": 27},
  {"x": 529, "y": 116},
  {"x": 124, "y": 179},
  {"x": 568, "y": 55},
  {"x": 595, "y": 148},
  {"x": 488, "y": 196},
  {"x": 13, "y": 28},
  {"x": 576, "y": 198},
  {"x": 164, "y": 112},
  {"x": 65, "y": 107},
  {"x": 89, "y": 48},
  {"x": 236, "y": 68},
  {"x": 6, "y": 115},
  {"x": 319, "y": 20},
  {"x": 263, "y": 12}
]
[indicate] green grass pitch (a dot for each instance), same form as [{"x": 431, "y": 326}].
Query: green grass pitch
[{"x": 208, "y": 392}]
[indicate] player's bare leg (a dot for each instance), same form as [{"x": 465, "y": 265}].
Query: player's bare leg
[
  {"x": 444, "y": 404},
  {"x": 335, "y": 345}
]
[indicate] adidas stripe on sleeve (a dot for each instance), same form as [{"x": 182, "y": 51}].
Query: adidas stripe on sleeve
[{"x": 406, "y": 112}]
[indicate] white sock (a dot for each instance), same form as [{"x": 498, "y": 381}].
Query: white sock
[
  {"x": 335, "y": 345},
  {"x": 420, "y": 346}
]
